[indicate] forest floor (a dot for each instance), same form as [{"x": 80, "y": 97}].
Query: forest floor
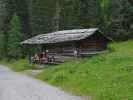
[{"x": 14, "y": 86}]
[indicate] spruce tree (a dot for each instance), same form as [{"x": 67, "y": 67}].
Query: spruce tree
[{"x": 14, "y": 38}]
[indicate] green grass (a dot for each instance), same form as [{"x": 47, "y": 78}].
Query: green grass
[
  {"x": 17, "y": 65},
  {"x": 104, "y": 77}
]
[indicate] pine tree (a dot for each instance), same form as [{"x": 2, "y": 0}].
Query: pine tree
[{"x": 14, "y": 38}]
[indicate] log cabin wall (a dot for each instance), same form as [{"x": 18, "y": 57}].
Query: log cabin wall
[
  {"x": 62, "y": 49},
  {"x": 68, "y": 50},
  {"x": 54, "y": 51},
  {"x": 93, "y": 43}
]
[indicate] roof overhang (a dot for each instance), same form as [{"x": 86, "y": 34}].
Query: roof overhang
[{"x": 61, "y": 36}]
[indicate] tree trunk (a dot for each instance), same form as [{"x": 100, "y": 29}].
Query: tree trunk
[
  {"x": 57, "y": 16},
  {"x": 2, "y": 14}
]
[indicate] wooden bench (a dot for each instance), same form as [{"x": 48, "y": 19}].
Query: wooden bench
[{"x": 90, "y": 53}]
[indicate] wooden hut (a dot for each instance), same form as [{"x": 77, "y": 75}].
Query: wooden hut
[{"x": 74, "y": 43}]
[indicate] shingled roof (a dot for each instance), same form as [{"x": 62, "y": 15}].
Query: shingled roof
[{"x": 61, "y": 36}]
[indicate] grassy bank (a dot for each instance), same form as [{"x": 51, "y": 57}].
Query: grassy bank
[
  {"x": 17, "y": 65},
  {"x": 104, "y": 77}
]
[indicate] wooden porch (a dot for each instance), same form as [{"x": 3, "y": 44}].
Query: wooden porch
[{"x": 59, "y": 58}]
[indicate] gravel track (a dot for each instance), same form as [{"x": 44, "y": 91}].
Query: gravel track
[{"x": 14, "y": 86}]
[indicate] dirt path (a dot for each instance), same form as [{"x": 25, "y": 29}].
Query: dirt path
[{"x": 14, "y": 86}]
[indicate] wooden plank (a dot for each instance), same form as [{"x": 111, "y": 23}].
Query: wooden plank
[{"x": 91, "y": 53}]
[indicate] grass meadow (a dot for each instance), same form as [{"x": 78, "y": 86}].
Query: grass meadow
[{"x": 107, "y": 76}]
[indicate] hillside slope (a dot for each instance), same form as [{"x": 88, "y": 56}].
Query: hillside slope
[{"x": 104, "y": 77}]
